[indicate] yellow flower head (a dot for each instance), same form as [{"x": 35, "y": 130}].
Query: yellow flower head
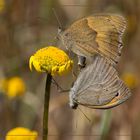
[
  {"x": 13, "y": 87},
  {"x": 21, "y": 133},
  {"x": 51, "y": 60},
  {"x": 130, "y": 80}
]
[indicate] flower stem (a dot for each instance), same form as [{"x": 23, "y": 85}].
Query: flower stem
[
  {"x": 106, "y": 124},
  {"x": 46, "y": 106}
]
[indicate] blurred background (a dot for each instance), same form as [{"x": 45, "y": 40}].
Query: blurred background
[{"x": 28, "y": 25}]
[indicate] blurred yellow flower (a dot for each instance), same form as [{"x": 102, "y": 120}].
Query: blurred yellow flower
[
  {"x": 21, "y": 133},
  {"x": 2, "y": 5},
  {"x": 13, "y": 87},
  {"x": 52, "y": 60},
  {"x": 130, "y": 79}
]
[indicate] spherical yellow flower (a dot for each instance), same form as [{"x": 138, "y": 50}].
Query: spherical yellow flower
[
  {"x": 16, "y": 87},
  {"x": 51, "y": 60},
  {"x": 130, "y": 80},
  {"x": 13, "y": 87},
  {"x": 21, "y": 133}
]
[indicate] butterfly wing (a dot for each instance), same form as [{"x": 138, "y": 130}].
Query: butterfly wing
[
  {"x": 80, "y": 38},
  {"x": 97, "y": 34},
  {"x": 98, "y": 86},
  {"x": 124, "y": 94},
  {"x": 110, "y": 29}
]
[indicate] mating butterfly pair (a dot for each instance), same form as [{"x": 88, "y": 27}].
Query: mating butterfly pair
[{"x": 98, "y": 37}]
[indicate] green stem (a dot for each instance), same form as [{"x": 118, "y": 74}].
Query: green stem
[
  {"x": 46, "y": 106},
  {"x": 105, "y": 124}
]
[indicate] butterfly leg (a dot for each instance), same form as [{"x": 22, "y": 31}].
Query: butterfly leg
[
  {"x": 74, "y": 75},
  {"x": 59, "y": 88},
  {"x": 81, "y": 61}
]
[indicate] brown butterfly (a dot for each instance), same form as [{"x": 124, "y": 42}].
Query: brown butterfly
[
  {"x": 97, "y": 34},
  {"x": 98, "y": 86}
]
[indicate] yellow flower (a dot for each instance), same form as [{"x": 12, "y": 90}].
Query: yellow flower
[
  {"x": 21, "y": 133},
  {"x": 2, "y": 5},
  {"x": 130, "y": 80},
  {"x": 51, "y": 60},
  {"x": 13, "y": 87}
]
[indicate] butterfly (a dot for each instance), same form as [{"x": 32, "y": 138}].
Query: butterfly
[
  {"x": 96, "y": 34},
  {"x": 98, "y": 86}
]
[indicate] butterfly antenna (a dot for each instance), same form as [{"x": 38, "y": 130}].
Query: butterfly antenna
[
  {"x": 59, "y": 23},
  {"x": 84, "y": 114}
]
